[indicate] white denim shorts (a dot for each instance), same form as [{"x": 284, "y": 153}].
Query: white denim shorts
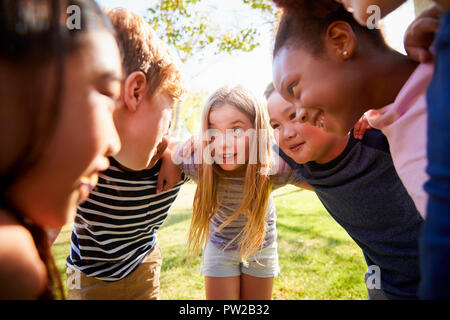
[{"x": 227, "y": 263}]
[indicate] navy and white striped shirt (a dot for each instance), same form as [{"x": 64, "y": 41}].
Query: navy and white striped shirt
[{"x": 115, "y": 228}]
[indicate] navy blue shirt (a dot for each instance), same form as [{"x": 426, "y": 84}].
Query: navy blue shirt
[{"x": 363, "y": 193}]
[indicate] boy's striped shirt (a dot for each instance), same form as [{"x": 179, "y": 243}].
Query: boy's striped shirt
[{"x": 115, "y": 228}]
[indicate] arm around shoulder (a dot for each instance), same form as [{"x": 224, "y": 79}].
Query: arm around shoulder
[
  {"x": 170, "y": 173},
  {"x": 306, "y": 186}
]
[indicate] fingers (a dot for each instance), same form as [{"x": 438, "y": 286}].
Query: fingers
[
  {"x": 419, "y": 54},
  {"x": 189, "y": 148},
  {"x": 361, "y": 127},
  {"x": 163, "y": 144},
  {"x": 434, "y": 11},
  {"x": 364, "y": 127},
  {"x": 420, "y": 35},
  {"x": 160, "y": 184},
  {"x": 427, "y": 25},
  {"x": 357, "y": 130},
  {"x": 171, "y": 181},
  {"x": 186, "y": 150},
  {"x": 192, "y": 146}
]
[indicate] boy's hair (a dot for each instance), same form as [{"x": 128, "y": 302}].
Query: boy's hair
[
  {"x": 304, "y": 23},
  {"x": 143, "y": 51},
  {"x": 270, "y": 89}
]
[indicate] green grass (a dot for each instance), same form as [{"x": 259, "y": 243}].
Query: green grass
[{"x": 318, "y": 260}]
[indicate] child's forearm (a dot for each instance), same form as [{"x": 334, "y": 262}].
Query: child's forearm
[
  {"x": 169, "y": 173},
  {"x": 306, "y": 186},
  {"x": 52, "y": 235},
  {"x": 22, "y": 273},
  {"x": 421, "y": 33},
  {"x": 173, "y": 145}
]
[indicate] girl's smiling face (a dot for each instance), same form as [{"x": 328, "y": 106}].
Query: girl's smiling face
[
  {"x": 300, "y": 141},
  {"x": 230, "y": 143},
  {"x": 322, "y": 88},
  {"x": 84, "y": 137}
]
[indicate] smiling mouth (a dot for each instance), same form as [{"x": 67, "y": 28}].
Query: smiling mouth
[
  {"x": 86, "y": 186},
  {"x": 227, "y": 157},
  {"x": 296, "y": 147},
  {"x": 90, "y": 180}
]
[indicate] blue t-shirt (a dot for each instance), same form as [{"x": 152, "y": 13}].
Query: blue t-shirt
[
  {"x": 435, "y": 245},
  {"x": 363, "y": 193}
]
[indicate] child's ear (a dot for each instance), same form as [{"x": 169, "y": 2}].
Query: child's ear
[
  {"x": 135, "y": 88},
  {"x": 340, "y": 40}
]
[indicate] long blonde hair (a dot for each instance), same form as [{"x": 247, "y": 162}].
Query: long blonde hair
[{"x": 257, "y": 187}]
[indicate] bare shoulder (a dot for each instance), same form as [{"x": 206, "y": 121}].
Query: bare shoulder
[
  {"x": 22, "y": 271},
  {"x": 12, "y": 230}
]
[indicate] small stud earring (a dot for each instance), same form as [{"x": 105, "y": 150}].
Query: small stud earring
[{"x": 345, "y": 53}]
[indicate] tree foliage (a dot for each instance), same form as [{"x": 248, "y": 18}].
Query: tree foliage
[
  {"x": 190, "y": 113},
  {"x": 186, "y": 25}
]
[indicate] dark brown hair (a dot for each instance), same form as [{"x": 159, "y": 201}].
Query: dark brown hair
[
  {"x": 305, "y": 22},
  {"x": 34, "y": 36}
]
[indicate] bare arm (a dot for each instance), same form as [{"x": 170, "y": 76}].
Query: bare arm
[
  {"x": 22, "y": 273},
  {"x": 170, "y": 173},
  {"x": 306, "y": 186},
  {"x": 361, "y": 127},
  {"x": 420, "y": 35}
]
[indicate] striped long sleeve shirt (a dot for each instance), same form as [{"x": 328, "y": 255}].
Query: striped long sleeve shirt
[{"x": 115, "y": 228}]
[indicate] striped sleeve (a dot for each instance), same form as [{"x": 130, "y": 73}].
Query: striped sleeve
[{"x": 116, "y": 226}]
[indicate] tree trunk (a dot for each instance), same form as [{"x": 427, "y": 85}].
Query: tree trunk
[
  {"x": 177, "y": 118},
  {"x": 176, "y": 127},
  {"x": 420, "y": 5}
]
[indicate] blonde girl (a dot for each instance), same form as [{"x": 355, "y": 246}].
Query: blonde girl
[{"x": 233, "y": 212}]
